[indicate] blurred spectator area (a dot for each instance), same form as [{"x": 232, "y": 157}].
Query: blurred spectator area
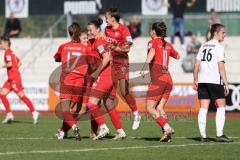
[{"x": 34, "y": 26}]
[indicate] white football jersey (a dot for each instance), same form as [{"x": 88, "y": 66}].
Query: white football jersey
[{"x": 209, "y": 54}]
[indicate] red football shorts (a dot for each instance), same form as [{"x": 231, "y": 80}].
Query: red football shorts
[
  {"x": 73, "y": 89},
  {"x": 120, "y": 69},
  {"x": 14, "y": 85},
  {"x": 103, "y": 88},
  {"x": 160, "y": 88}
]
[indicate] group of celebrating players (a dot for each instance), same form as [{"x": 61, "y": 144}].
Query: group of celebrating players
[
  {"x": 104, "y": 65},
  {"x": 95, "y": 63}
]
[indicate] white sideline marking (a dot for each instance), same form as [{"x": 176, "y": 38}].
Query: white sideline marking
[{"x": 113, "y": 148}]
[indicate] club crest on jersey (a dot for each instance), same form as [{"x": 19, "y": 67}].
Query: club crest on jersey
[
  {"x": 129, "y": 39},
  {"x": 101, "y": 49}
]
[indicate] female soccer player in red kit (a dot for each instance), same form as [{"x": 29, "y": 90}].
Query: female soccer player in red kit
[
  {"x": 159, "y": 52},
  {"x": 120, "y": 38},
  {"x": 75, "y": 66},
  {"x": 103, "y": 87},
  {"x": 12, "y": 63},
  {"x": 81, "y": 108}
]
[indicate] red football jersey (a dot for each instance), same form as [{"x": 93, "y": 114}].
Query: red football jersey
[
  {"x": 120, "y": 36},
  {"x": 160, "y": 62},
  {"x": 13, "y": 71},
  {"x": 75, "y": 58},
  {"x": 99, "y": 47}
]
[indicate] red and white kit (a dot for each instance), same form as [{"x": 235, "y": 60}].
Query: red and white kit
[
  {"x": 161, "y": 80},
  {"x": 120, "y": 37},
  {"x": 75, "y": 69},
  {"x": 104, "y": 85},
  {"x": 14, "y": 79}
]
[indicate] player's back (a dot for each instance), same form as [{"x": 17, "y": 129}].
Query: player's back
[
  {"x": 159, "y": 64},
  {"x": 209, "y": 55},
  {"x": 13, "y": 71},
  {"x": 74, "y": 57}
]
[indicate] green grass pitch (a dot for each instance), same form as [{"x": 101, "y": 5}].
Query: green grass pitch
[{"x": 25, "y": 141}]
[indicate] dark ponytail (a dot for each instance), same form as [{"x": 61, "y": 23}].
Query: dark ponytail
[
  {"x": 161, "y": 30},
  {"x": 97, "y": 23},
  {"x": 74, "y": 31},
  {"x": 215, "y": 28}
]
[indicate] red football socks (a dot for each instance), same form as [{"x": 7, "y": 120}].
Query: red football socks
[
  {"x": 28, "y": 102},
  {"x": 161, "y": 121},
  {"x": 115, "y": 118},
  {"x": 96, "y": 113},
  {"x": 5, "y": 103},
  {"x": 68, "y": 118}
]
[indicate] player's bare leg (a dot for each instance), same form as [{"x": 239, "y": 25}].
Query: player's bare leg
[
  {"x": 68, "y": 118},
  {"x": 110, "y": 105},
  {"x": 3, "y": 96},
  {"x": 97, "y": 114},
  {"x": 220, "y": 121},
  {"x": 168, "y": 130},
  {"x": 27, "y": 101},
  {"x": 202, "y": 119},
  {"x": 124, "y": 88}
]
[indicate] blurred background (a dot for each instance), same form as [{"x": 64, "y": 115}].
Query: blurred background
[{"x": 38, "y": 27}]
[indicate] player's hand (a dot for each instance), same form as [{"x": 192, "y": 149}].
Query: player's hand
[
  {"x": 142, "y": 73},
  {"x": 226, "y": 90},
  {"x": 195, "y": 85}
]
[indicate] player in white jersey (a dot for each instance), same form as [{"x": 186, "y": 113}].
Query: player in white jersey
[{"x": 210, "y": 81}]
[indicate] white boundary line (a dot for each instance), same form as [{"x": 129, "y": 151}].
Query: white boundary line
[{"x": 113, "y": 148}]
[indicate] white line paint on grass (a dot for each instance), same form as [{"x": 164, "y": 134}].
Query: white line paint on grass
[{"x": 114, "y": 148}]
